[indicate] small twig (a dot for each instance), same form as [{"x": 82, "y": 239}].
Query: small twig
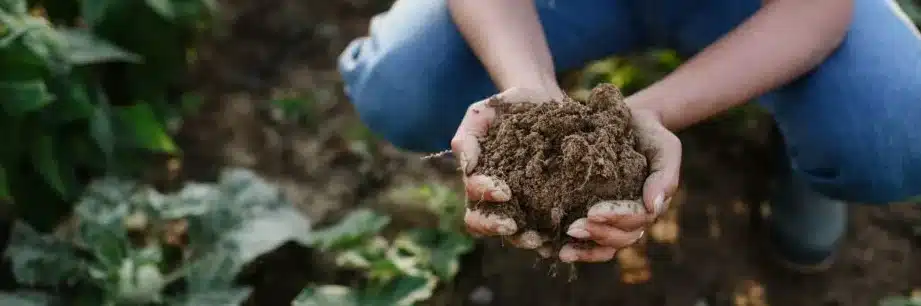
[{"x": 436, "y": 155}]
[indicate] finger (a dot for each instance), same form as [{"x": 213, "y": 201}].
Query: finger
[
  {"x": 596, "y": 254},
  {"x": 528, "y": 240},
  {"x": 489, "y": 224},
  {"x": 626, "y": 215},
  {"x": 465, "y": 144},
  {"x": 487, "y": 188},
  {"x": 603, "y": 234},
  {"x": 664, "y": 155},
  {"x": 525, "y": 95}
]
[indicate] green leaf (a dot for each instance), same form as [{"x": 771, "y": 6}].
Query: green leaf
[
  {"x": 228, "y": 297},
  {"x": 101, "y": 129},
  {"x": 15, "y": 7},
  {"x": 144, "y": 129},
  {"x": 108, "y": 242},
  {"x": 27, "y": 298},
  {"x": 267, "y": 231},
  {"x": 50, "y": 166},
  {"x": 42, "y": 260},
  {"x": 329, "y": 295},
  {"x": 94, "y": 12},
  {"x": 82, "y": 48},
  {"x": 358, "y": 225},
  {"x": 446, "y": 253},
  {"x": 216, "y": 270},
  {"x": 164, "y": 8},
  {"x": 406, "y": 290},
  {"x": 23, "y": 97}
]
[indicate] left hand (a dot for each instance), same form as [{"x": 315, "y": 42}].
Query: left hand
[{"x": 614, "y": 225}]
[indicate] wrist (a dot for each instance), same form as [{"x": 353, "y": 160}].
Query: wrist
[
  {"x": 547, "y": 85},
  {"x": 644, "y": 102}
]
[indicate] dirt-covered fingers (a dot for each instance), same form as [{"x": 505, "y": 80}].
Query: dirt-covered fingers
[
  {"x": 486, "y": 188},
  {"x": 627, "y": 215},
  {"x": 529, "y": 95},
  {"x": 481, "y": 224},
  {"x": 603, "y": 234},
  {"x": 529, "y": 240},
  {"x": 570, "y": 253},
  {"x": 465, "y": 144}
]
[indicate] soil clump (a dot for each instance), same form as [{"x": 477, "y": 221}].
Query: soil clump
[{"x": 560, "y": 158}]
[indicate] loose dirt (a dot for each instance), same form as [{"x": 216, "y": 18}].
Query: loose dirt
[{"x": 559, "y": 158}]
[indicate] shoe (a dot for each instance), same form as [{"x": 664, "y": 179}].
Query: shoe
[{"x": 799, "y": 260}]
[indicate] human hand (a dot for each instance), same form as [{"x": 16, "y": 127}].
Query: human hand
[
  {"x": 613, "y": 225},
  {"x": 466, "y": 146}
]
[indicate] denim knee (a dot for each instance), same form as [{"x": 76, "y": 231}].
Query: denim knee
[
  {"x": 389, "y": 104},
  {"x": 411, "y": 80},
  {"x": 871, "y": 161}
]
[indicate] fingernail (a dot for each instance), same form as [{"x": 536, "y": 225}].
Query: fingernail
[
  {"x": 498, "y": 190},
  {"x": 638, "y": 237},
  {"x": 659, "y": 204},
  {"x": 500, "y": 195},
  {"x": 568, "y": 255},
  {"x": 577, "y": 232},
  {"x": 599, "y": 212}
]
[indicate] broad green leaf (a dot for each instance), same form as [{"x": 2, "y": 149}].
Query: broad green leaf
[
  {"x": 442, "y": 249},
  {"x": 26, "y": 298},
  {"x": 101, "y": 129},
  {"x": 108, "y": 242},
  {"x": 227, "y": 297},
  {"x": 194, "y": 199},
  {"x": 267, "y": 231},
  {"x": 144, "y": 129},
  {"x": 44, "y": 43},
  {"x": 356, "y": 226},
  {"x": 15, "y": 7},
  {"x": 4, "y": 185},
  {"x": 404, "y": 291},
  {"x": 42, "y": 260},
  {"x": 94, "y": 12},
  {"x": 23, "y": 97},
  {"x": 446, "y": 257},
  {"x": 50, "y": 166},
  {"x": 215, "y": 270},
  {"x": 329, "y": 295},
  {"x": 900, "y": 301},
  {"x": 101, "y": 211},
  {"x": 164, "y": 8},
  {"x": 82, "y": 48}
]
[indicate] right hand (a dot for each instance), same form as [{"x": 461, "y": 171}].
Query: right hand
[{"x": 466, "y": 146}]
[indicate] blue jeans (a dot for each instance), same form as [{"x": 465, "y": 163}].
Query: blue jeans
[{"x": 852, "y": 126}]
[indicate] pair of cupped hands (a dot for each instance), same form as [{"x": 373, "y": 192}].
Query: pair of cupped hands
[{"x": 612, "y": 225}]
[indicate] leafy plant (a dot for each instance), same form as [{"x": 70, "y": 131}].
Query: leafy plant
[
  {"x": 404, "y": 270},
  {"x": 88, "y": 88},
  {"x": 913, "y": 300},
  {"x": 128, "y": 243}
]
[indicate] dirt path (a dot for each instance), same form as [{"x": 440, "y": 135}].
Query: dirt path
[{"x": 330, "y": 164}]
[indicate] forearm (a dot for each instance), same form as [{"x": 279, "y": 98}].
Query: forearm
[
  {"x": 779, "y": 43},
  {"x": 507, "y": 37}
]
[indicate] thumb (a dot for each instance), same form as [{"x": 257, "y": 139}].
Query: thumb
[{"x": 664, "y": 165}]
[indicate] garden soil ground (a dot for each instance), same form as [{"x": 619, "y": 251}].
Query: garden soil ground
[{"x": 705, "y": 251}]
